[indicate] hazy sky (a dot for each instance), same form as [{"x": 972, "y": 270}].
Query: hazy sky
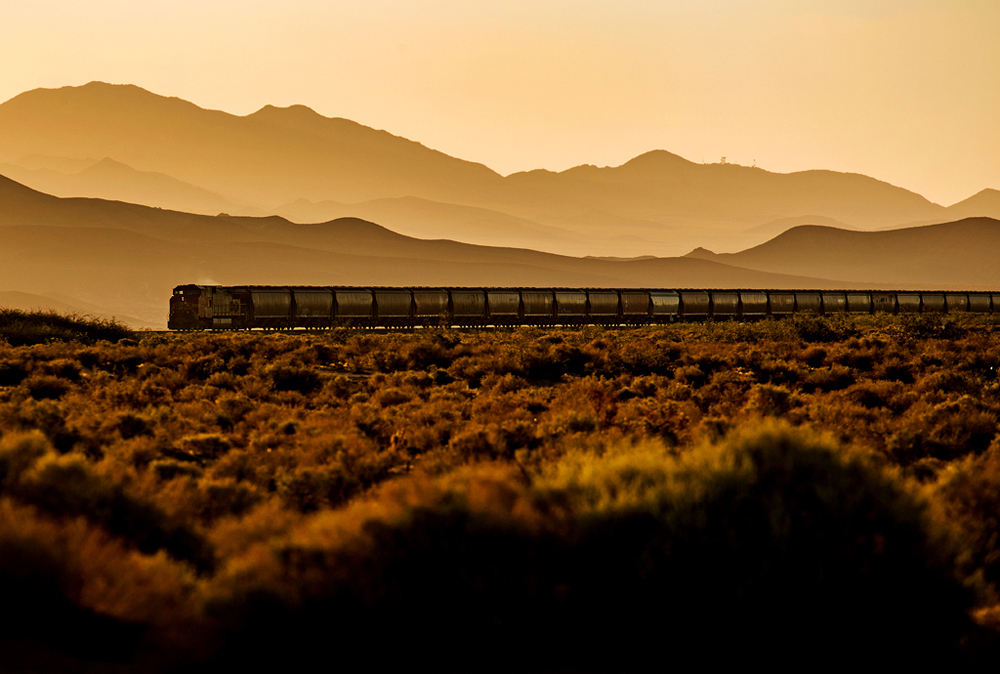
[{"x": 907, "y": 91}]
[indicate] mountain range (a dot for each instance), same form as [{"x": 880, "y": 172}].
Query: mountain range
[
  {"x": 124, "y": 143},
  {"x": 113, "y": 195}
]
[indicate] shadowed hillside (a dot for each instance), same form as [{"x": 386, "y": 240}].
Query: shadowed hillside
[
  {"x": 959, "y": 254},
  {"x": 128, "y": 257},
  {"x": 276, "y": 159},
  {"x": 433, "y": 220},
  {"x": 109, "y": 179},
  {"x": 21, "y": 301},
  {"x": 986, "y": 202}
]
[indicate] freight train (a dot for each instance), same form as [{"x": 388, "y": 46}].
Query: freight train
[{"x": 211, "y": 307}]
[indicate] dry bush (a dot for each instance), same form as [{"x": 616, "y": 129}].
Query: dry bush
[
  {"x": 774, "y": 544},
  {"x": 68, "y": 487},
  {"x": 969, "y": 491},
  {"x": 947, "y": 430},
  {"x": 172, "y": 444},
  {"x": 771, "y": 401}
]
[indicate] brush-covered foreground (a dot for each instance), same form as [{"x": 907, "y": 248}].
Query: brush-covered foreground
[
  {"x": 21, "y": 328},
  {"x": 804, "y": 491}
]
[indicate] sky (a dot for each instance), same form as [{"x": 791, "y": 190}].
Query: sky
[{"x": 906, "y": 91}]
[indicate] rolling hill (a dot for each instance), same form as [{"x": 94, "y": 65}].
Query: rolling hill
[
  {"x": 128, "y": 257},
  {"x": 960, "y": 254}
]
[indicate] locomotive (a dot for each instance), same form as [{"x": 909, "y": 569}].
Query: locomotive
[{"x": 212, "y": 307}]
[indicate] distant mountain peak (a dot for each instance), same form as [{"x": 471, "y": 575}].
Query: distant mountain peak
[
  {"x": 108, "y": 162},
  {"x": 97, "y": 87},
  {"x": 657, "y": 158},
  {"x": 98, "y": 84},
  {"x": 700, "y": 253},
  {"x": 97, "y": 98},
  {"x": 297, "y": 111}
]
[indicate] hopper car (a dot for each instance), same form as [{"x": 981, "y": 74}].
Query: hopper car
[{"x": 213, "y": 307}]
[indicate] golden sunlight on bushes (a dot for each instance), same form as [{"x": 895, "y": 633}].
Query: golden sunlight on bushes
[{"x": 571, "y": 500}]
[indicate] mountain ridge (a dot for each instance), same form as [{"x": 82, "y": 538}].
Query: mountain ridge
[
  {"x": 950, "y": 255},
  {"x": 656, "y": 203},
  {"x": 128, "y": 257}
]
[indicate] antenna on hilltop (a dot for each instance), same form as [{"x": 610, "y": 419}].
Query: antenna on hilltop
[{"x": 723, "y": 160}]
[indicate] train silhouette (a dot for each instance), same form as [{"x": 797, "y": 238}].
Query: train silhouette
[{"x": 212, "y": 307}]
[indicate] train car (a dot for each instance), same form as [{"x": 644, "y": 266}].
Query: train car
[{"x": 211, "y": 307}]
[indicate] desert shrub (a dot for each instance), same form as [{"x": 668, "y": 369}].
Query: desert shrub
[
  {"x": 204, "y": 447},
  {"x": 50, "y": 585},
  {"x": 46, "y": 387},
  {"x": 300, "y": 379},
  {"x": 774, "y": 545},
  {"x": 895, "y": 369},
  {"x": 984, "y": 362},
  {"x": 502, "y": 440},
  {"x": 168, "y": 469},
  {"x": 224, "y": 380},
  {"x": 50, "y": 417},
  {"x": 819, "y": 329},
  {"x": 970, "y": 493},
  {"x": 313, "y": 492},
  {"x": 12, "y": 372},
  {"x": 68, "y": 487},
  {"x": 831, "y": 378},
  {"x": 21, "y": 328},
  {"x": 63, "y": 368},
  {"x": 505, "y": 383},
  {"x": 857, "y": 354},
  {"x": 470, "y": 369},
  {"x": 780, "y": 372},
  {"x": 669, "y": 420},
  {"x": 814, "y": 356},
  {"x": 305, "y": 489},
  {"x": 770, "y": 400},
  {"x": 130, "y": 425},
  {"x": 389, "y": 397},
  {"x": 427, "y": 352},
  {"x": 875, "y": 394},
  {"x": 204, "y": 367},
  {"x": 547, "y": 360},
  {"x": 775, "y": 537},
  {"x": 18, "y": 453},
  {"x": 947, "y": 430},
  {"x": 946, "y": 381},
  {"x": 692, "y": 375},
  {"x": 573, "y": 421},
  {"x": 221, "y": 498},
  {"x": 235, "y": 406},
  {"x": 308, "y": 489}
]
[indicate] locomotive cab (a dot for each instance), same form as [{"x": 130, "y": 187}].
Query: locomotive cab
[
  {"x": 195, "y": 307},
  {"x": 184, "y": 314}
]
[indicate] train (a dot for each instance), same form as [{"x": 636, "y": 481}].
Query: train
[{"x": 214, "y": 307}]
